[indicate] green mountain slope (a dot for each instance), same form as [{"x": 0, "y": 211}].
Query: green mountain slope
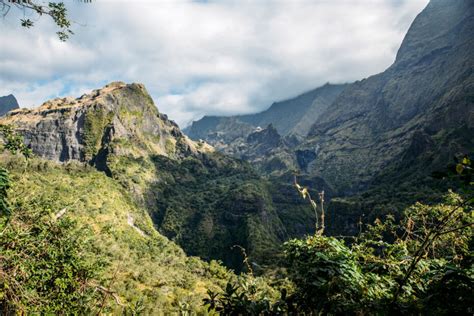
[
  {"x": 141, "y": 266},
  {"x": 419, "y": 107}
]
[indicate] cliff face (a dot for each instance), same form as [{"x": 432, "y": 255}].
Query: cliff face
[
  {"x": 108, "y": 120},
  {"x": 8, "y": 103},
  {"x": 425, "y": 97}
]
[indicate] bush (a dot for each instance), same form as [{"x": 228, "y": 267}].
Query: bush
[{"x": 43, "y": 269}]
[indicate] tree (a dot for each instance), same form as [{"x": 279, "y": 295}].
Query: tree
[{"x": 57, "y": 11}]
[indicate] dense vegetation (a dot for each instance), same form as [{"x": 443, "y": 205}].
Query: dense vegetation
[
  {"x": 209, "y": 203},
  {"x": 420, "y": 264},
  {"x": 74, "y": 241}
]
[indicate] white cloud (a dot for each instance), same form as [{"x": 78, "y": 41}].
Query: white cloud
[{"x": 221, "y": 57}]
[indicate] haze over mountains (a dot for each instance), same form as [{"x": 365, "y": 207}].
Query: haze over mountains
[
  {"x": 354, "y": 133},
  {"x": 156, "y": 206}
]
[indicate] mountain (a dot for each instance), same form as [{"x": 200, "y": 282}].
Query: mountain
[
  {"x": 140, "y": 266},
  {"x": 383, "y": 134},
  {"x": 418, "y": 110},
  {"x": 204, "y": 201},
  {"x": 85, "y": 129},
  {"x": 8, "y": 103},
  {"x": 290, "y": 117},
  {"x": 290, "y": 120},
  {"x": 388, "y": 133}
]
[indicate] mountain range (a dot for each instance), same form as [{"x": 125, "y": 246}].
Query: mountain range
[
  {"x": 231, "y": 181},
  {"x": 388, "y": 132}
]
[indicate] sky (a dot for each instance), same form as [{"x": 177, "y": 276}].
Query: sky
[{"x": 203, "y": 57}]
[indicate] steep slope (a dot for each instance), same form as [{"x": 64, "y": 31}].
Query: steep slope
[
  {"x": 418, "y": 110},
  {"x": 149, "y": 273},
  {"x": 8, "y": 103},
  {"x": 84, "y": 129},
  {"x": 387, "y": 134},
  {"x": 204, "y": 201},
  {"x": 296, "y": 115}
]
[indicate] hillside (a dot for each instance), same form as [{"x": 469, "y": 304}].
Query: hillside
[
  {"x": 419, "y": 108},
  {"x": 290, "y": 120},
  {"x": 144, "y": 268},
  {"x": 294, "y": 116},
  {"x": 204, "y": 201},
  {"x": 385, "y": 133},
  {"x": 351, "y": 199}
]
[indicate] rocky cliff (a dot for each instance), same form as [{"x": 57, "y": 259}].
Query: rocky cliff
[
  {"x": 420, "y": 109},
  {"x": 8, "y": 103},
  {"x": 108, "y": 120},
  {"x": 381, "y": 138},
  {"x": 204, "y": 201}
]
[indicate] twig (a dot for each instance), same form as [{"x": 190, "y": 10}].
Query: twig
[{"x": 246, "y": 258}]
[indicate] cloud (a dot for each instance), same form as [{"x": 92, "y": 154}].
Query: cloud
[{"x": 205, "y": 57}]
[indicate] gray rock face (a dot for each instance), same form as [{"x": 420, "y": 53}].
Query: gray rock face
[
  {"x": 8, "y": 103},
  {"x": 105, "y": 121},
  {"x": 374, "y": 123}
]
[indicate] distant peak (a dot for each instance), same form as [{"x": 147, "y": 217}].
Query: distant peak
[{"x": 7, "y": 104}]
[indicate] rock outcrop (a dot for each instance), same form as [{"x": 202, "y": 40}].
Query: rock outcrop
[
  {"x": 294, "y": 116},
  {"x": 290, "y": 119},
  {"x": 204, "y": 201},
  {"x": 108, "y": 120}
]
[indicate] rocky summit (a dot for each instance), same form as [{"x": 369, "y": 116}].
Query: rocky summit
[
  {"x": 419, "y": 110},
  {"x": 349, "y": 199},
  {"x": 106, "y": 121},
  {"x": 389, "y": 131}
]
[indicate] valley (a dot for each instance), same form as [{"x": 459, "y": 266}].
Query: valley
[{"x": 221, "y": 217}]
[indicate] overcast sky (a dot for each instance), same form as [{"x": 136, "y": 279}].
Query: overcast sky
[{"x": 203, "y": 57}]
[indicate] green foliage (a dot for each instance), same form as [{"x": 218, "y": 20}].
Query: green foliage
[
  {"x": 170, "y": 147},
  {"x": 144, "y": 270},
  {"x": 209, "y": 205},
  {"x": 386, "y": 269},
  {"x": 245, "y": 295},
  {"x": 95, "y": 123},
  {"x": 57, "y": 11},
  {"x": 44, "y": 268},
  {"x": 13, "y": 142},
  {"x": 326, "y": 274},
  {"x": 4, "y": 186}
]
